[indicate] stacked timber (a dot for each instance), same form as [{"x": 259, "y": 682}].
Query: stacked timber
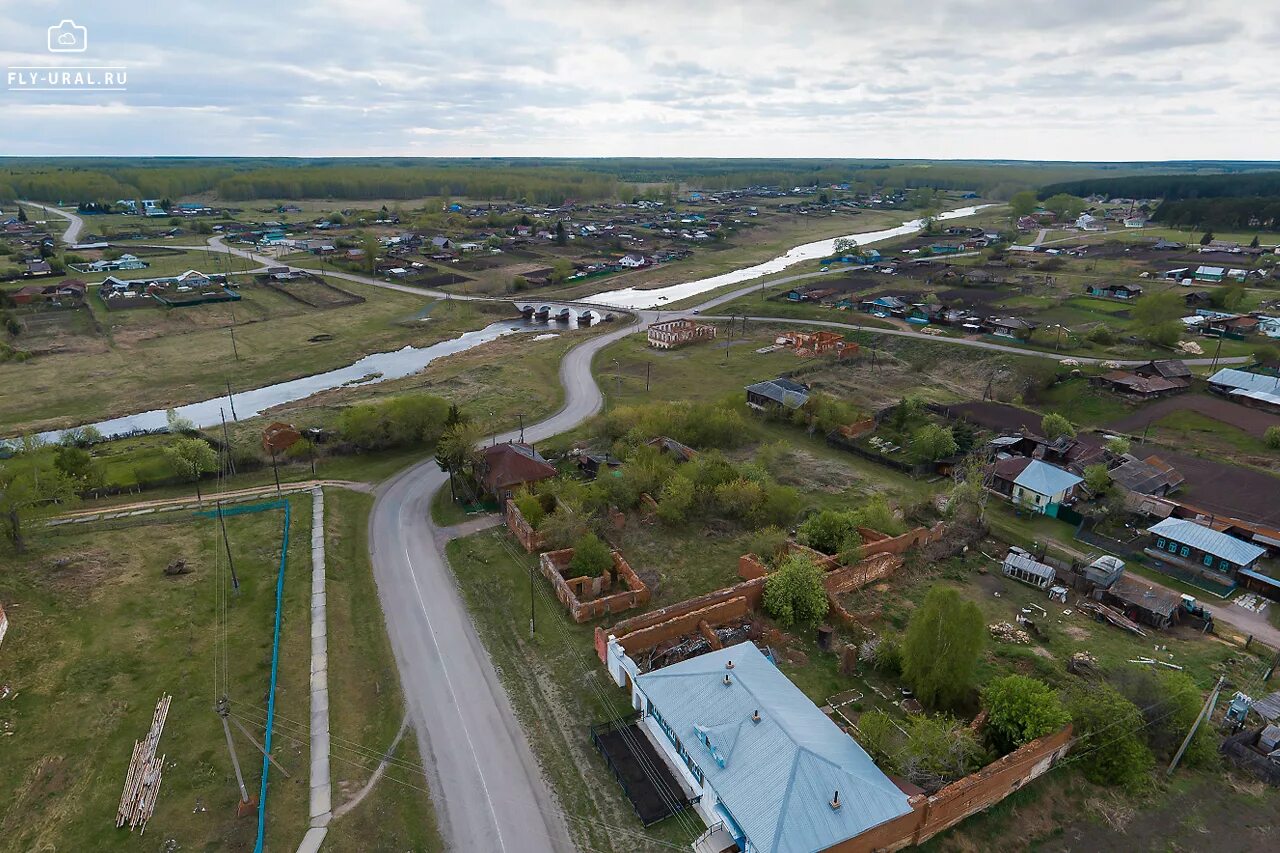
[{"x": 142, "y": 781}]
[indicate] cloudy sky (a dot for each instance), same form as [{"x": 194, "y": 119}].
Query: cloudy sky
[{"x": 1086, "y": 80}]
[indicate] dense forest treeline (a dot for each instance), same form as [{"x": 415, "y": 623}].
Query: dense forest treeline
[
  {"x": 1228, "y": 214},
  {"x": 539, "y": 181},
  {"x": 1173, "y": 187}
]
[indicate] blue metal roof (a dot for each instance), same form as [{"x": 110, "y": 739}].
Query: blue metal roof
[
  {"x": 1046, "y": 479},
  {"x": 778, "y": 775},
  {"x": 1208, "y": 540}
]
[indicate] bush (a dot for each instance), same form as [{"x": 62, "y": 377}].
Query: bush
[
  {"x": 1102, "y": 335},
  {"x": 404, "y": 421},
  {"x": 932, "y": 752},
  {"x": 1019, "y": 710},
  {"x": 794, "y": 593},
  {"x": 768, "y": 543},
  {"x": 739, "y": 499},
  {"x": 887, "y": 658},
  {"x": 933, "y": 442},
  {"x": 564, "y": 527},
  {"x": 676, "y": 500},
  {"x": 530, "y": 507},
  {"x": 1110, "y": 749},
  {"x": 828, "y": 531},
  {"x": 944, "y": 640},
  {"x": 1272, "y": 437},
  {"x": 1054, "y": 425},
  {"x": 1169, "y": 702},
  {"x": 591, "y": 557}
]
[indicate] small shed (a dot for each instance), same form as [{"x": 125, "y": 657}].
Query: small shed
[
  {"x": 1104, "y": 571},
  {"x": 1025, "y": 568}
]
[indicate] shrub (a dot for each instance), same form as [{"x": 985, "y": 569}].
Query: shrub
[
  {"x": 1054, "y": 425},
  {"x": 530, "y": 507},
  {"x": 767, "y": 543},
  {"x": 564, "y": 527},
  {"x": 1019, "y": 710},
  {"x": 591, "y": 557},
  {"x": 932, "y": 752},
  {"x": 828, "y": 531},
  {"x": 676, "y": 500},
  {"x": 794, "y": 594},
  {"x": 1272, "y": 437},
  {"x": 933, "y": 442},
  {"x": 739, "y": 499},
  {"x": 887, "y": 657},
  {"x": 1102, "y": 335},
  {"x": 1110, "y": 750}
]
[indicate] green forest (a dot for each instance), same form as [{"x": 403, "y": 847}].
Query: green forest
[
  {"x": 1231, "y": 201},
  {"x": 554, "y": 181}
]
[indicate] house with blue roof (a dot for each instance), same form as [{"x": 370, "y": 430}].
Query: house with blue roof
[
  {"x": 764, "y": 767},
  {"x": 1201, "y": 548},
  {"x": 1036, "y": 485}
]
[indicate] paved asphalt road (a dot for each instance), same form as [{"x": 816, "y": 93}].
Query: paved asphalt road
[
  {"x": 74, "y": 223},
  {"x": 485, "y": 783}
]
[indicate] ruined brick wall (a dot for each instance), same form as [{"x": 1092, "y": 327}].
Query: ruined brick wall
[
  {"x": 713, "y": 614},
  {"x": 750, "y": 567},
  {"x": 573, "y": 592},
  {"x": 671, "y": 622},
  {"x": 529, "y": 538},
  {"x": 963, "y": 798},
  {"x": 899, "y": 545}
]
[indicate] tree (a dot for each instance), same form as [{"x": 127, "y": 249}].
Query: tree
[
  {"x": 933, "y": 442},
  {"x": 1118, "y": 444},
  {"x": 1272, "y": 437},
  {"x": 1228, "y": 298},
  {"x": 1102, "y": 335},
  {"x": 828, "y": 531},
  {"x": 561, "y": 237},
  {"x": 591, "y": 557},
  {"x": 794, "y": 594},
  {"x": 846, "y": 246},
  {"x": 22, "y": 213},
  {"x": 191, "y": 458},
  {"x": 1096, "y": 478},
  {"x": 943, "y": 642},
  {"x": 1109, "y": 728},
  {"x": 370, "y": 245},
  {"x": 77, "y": 464},
  {"x": 676, "y": 500},
  {"x": 530, "y": 507},
  {"x": 1253, "y": 244},
  {"x": 1064, "y": 205},
  {"x": 1207, "y": 238},
  {"x": 1157, "y": 317},
  {"x": 177, "y": 423},
  {"x": 968, "y": 499},
  {"x": 928, "y": 751},
  {"x": 31, "y": 485},
  {"x": 1054, "y": 425},
  {"x": 455, "y": 449},
  {"x": 1019, "y": 710},
  {"x": 1023, "y": 203},
  {"x": 1169, "y": 702}
]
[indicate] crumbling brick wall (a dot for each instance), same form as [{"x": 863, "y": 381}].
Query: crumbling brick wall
[
  {"x": 573, "y": 592},
  {"x": 751, "y": 567},
  {"x": 531, "y": 539},
  {"x": 874, "y": 542},
  {"x": 672, "y": 621},
  {"x": 962, "y": 798}
]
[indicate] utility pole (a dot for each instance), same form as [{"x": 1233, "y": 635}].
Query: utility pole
[
  {"x": 223, "y": 712},
  {"x": 1204, "y": 712},
  {"x": 648, "y": 368},
  {"x": 235, "y": 581},
  {"x": 521, "y": 416},
  {"x": 275, "y": 468},
  {"x": 533, "y": 625},
  {"x": 232, "y": 401},
  {"x": 226, "y": 440},
  {"x": 1213, "y": 368}
]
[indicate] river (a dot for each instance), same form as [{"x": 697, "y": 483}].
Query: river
[
  {"x": 379, "y": 367},
  {"x": 632, "y": 297}
]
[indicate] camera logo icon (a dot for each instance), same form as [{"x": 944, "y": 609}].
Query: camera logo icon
[{"x": 67, "y": 37}]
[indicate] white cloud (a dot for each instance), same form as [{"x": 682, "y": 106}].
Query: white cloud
[{"x": 1094, "y": 79}]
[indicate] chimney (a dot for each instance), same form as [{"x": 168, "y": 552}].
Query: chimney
[
  {"x": 727, "y": 680},
  {"x": 728, "y": 664},
  {"x": 835, "y": 801},
  {"x": 755, "y": 716}
]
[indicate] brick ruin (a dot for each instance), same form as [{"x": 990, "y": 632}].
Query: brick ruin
[
  {"x": 590, "y": 598},
  {"x": 519, "y": 526}
]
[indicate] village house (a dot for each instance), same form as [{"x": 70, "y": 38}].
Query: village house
[
  {"x": 503, "y": 468},
  {"x": 631, "y": 260},
  {"x": 780, "y": 393},
  {"x": 124, "y": 262},
  {"x": 1249, "y": 388},
  {"x": 670, "y": 334},
  {"x": 1205, "y": 273},
  {"x": 37, "y": 267},
  {"x": 1153, "y": 379},
  {"x": 764, "y": 767},
  {"x": 1036, "y": 485},
  {"x": 1012, "y": 327},
  {"x": 1201, "y": 549},
  {"x": 1114, "y": 291}
]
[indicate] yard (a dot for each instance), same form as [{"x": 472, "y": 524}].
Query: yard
[{"x": 99, "y": 632}]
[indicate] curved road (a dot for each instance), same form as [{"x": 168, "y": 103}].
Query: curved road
[
  {"x": 485, "y": 783},
  {"x": 74, "y": 223}
]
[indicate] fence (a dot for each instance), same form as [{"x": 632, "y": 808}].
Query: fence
[{"x": 920, "y": 469}]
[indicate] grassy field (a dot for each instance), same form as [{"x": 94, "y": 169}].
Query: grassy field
[
  {"x": 98, "y": 633},
  {"x": 396, "y": 815},
  {"x": 558, "y": 689},
  {"x": 155, "y": 358}
]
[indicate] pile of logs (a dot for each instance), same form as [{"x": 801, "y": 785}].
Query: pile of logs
[
  {"x": 142, "y": 782},
  {"x": 1005, "y": 632}
]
